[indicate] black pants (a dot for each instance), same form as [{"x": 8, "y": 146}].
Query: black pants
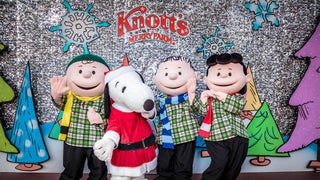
[
  {"x": 74, "y": 159},
  {"x": 227, "y": 158},
  {"x": 176, "y": 164}
]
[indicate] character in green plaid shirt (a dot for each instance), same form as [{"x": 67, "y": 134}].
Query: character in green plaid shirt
[
  {"x": 79, "y": 96},
  {"x": 177, "y": 127},
  {"x": 223, "y": 130}
]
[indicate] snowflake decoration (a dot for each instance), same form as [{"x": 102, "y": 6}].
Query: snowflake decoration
[
  {"x": 213, "y": 45},
  {"x": 78, "y": 27},
  {"x": 263, "y": 12}
]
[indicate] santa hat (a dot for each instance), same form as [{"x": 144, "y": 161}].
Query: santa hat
[
  {"x": 117, "y": 72},
  {"x": 88, "y": 57},
  {"x": 125, "y": 68}
]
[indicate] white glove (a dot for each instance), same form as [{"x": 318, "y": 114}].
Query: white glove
[{"x": 103, "y": 148}]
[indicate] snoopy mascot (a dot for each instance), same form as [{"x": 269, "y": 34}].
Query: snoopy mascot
[{"x": 128, "y": 146}]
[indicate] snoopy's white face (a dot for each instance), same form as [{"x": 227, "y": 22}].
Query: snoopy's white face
[{"x": 130, "y": 93}]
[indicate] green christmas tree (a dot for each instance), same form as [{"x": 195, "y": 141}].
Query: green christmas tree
[
  {"x": 5, "y": 145},
  {"x": 6, "y": 94},
  {"x": 264, "y": 137}
]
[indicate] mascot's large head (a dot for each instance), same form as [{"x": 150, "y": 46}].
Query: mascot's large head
[
  {"x": 173, "y": 74},
  {"x": 226, "y": 73},
  {"x": 126, "y": 89},
  {"x": 85, "y": 75}
]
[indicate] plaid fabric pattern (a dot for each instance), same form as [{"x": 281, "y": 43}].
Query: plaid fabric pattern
[
  {"x": 184, "y": 126},
  {"x": 81, "y": 133},
  {"x": 227, "y": 120}
]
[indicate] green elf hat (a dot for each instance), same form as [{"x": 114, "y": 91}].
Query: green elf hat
[{"x": 88, "y": 57}]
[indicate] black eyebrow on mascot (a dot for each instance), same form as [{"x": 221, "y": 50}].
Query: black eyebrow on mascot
[{"x": 128, "y": 146}]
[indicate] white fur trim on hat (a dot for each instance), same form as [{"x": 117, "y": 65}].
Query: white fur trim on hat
[{"x": 115, "y": 73}]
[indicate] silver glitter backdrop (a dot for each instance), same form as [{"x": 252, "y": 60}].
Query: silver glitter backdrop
[{"x": 24, "y": 27}]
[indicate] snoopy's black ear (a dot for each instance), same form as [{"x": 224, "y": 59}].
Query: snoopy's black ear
[
  {"x": 140, "y": 76},
  {"x": 107, "y": 103}
]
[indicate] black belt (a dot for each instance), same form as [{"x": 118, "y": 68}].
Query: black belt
[{"x": 143, "y": 144}]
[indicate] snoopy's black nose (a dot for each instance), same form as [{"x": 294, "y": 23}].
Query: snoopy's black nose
[{"x": 148, "y": 105}]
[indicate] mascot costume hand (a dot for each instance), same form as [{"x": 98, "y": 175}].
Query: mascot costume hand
[{"x": 128, "y": 146}]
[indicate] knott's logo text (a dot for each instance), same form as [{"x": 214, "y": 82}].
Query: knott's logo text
[{"x": 131, "y": 22}]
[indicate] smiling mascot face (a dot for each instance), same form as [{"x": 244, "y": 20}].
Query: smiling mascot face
[
  {"x": 85, "y": 75},
  {"x": 226, "y": 73},
  {"x": 173, "y": 74}
]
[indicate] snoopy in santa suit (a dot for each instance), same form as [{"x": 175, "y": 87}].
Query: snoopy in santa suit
[{"x": 128, "y": 146}]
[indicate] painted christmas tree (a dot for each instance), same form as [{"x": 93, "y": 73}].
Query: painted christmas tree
[
  {"x": 6, "y": 92},
  {"x": 253, "y": 101},
  {"x": 264, "y": 137},
  {"x": 307, "y": 100},
  {"x": 5, "y": 144},
  {"x": 26, "y": 134},
  {"x": 252, "y": 97},
  {"x": 6, "y": 95}
]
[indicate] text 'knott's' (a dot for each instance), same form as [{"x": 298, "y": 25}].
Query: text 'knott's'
[{"x": 137, "y": 19}]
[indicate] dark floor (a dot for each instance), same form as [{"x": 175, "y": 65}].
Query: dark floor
[{"x": 306, "y": 175}]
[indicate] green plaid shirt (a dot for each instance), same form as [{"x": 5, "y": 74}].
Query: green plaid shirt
[
  {"x": 81, "y": 133},
  {"x": 184, "y": 126},
  {"x": 227, "y": 120}
]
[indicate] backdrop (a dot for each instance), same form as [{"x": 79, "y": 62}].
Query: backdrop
[{"x": 266, "y": 33}]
